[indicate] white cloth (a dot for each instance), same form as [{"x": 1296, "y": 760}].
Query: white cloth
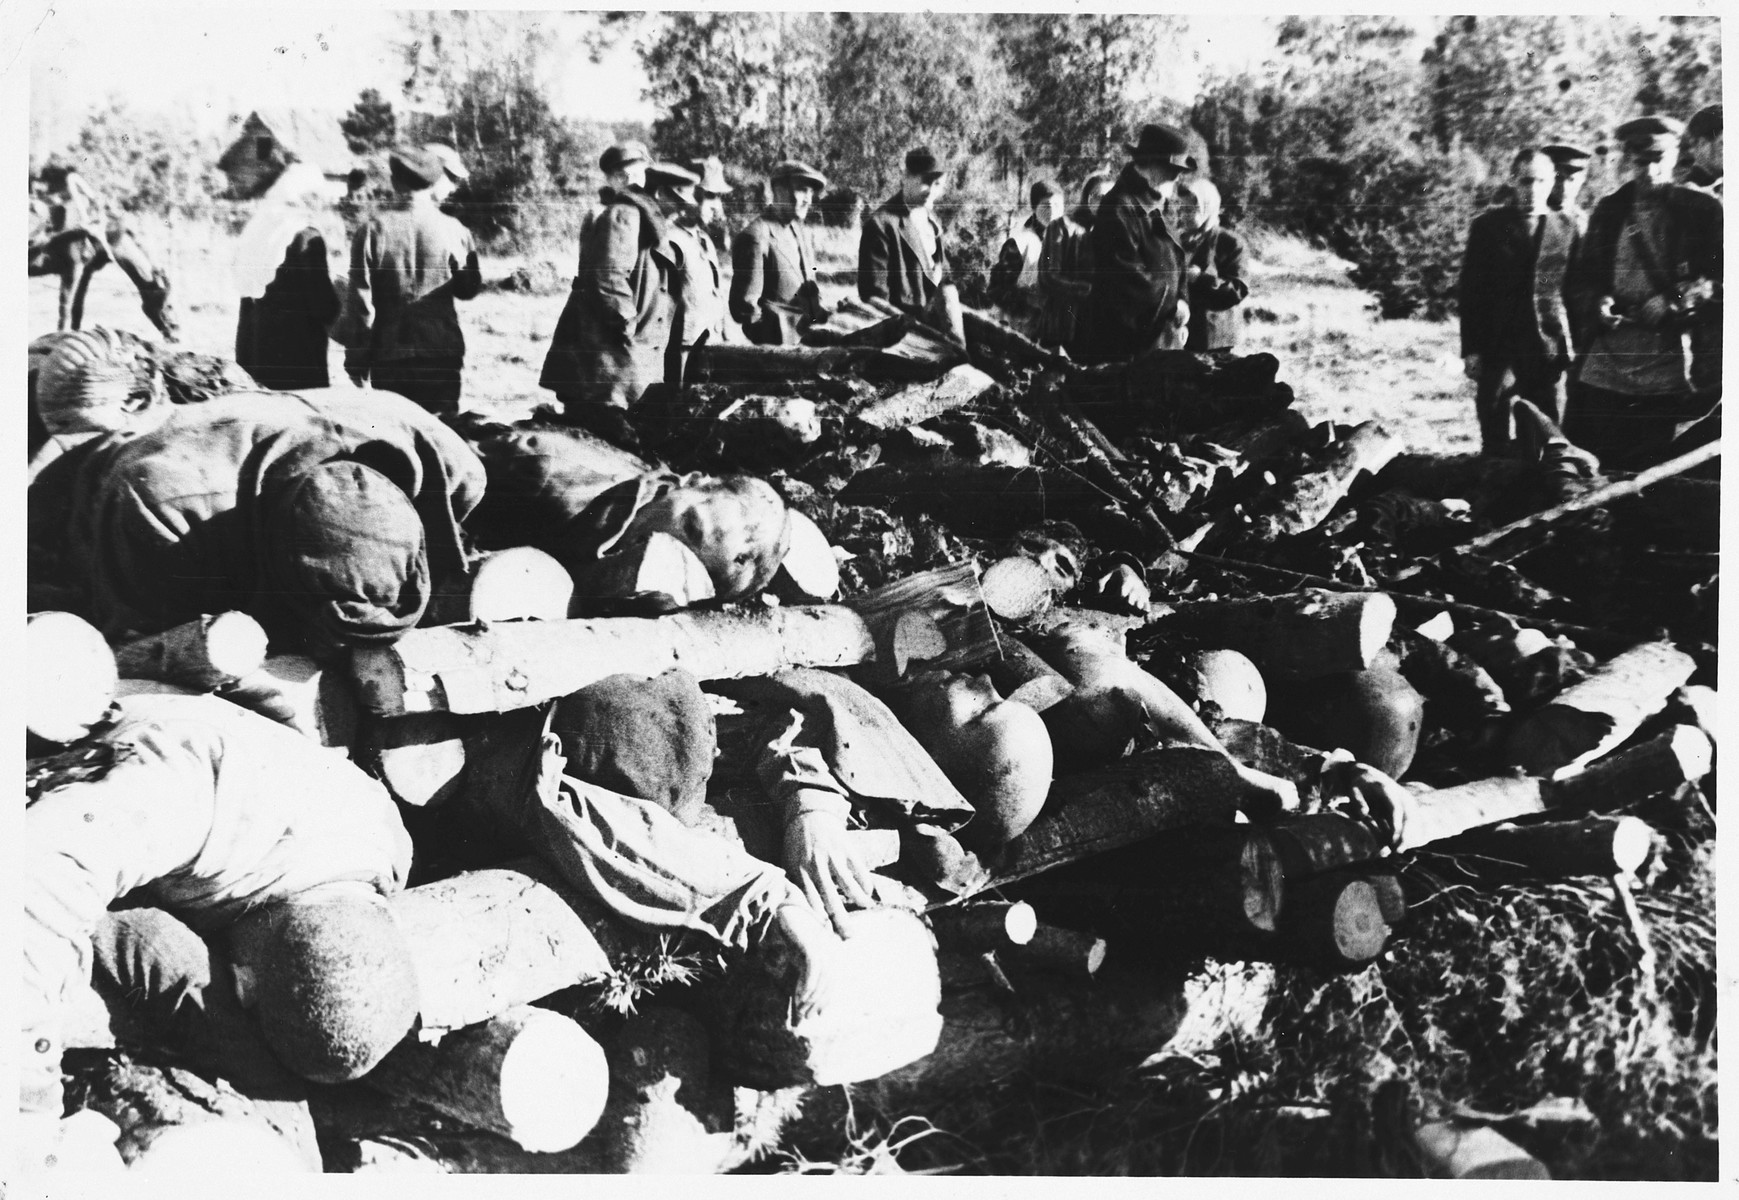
[{"x": 295, "y": 201}]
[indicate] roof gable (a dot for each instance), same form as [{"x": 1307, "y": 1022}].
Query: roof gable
[{"x": 313, "y": 138}]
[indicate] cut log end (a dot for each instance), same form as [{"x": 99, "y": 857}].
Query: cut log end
[
  {"x": 810, "y": 562},
  {"x": 1632, "y": 842},
  {"x": 1016, "y": 588},
  {"x": 1376, "y": 622},
  {"x": 235, "y": 644},
  {"x": 521, "y": 583},
  {"x": 72, "y": 676},
  {"x": 554, "y": 1083}
]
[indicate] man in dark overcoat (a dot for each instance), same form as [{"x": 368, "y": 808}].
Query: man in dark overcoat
[
  {"x": 1514, "y": 321},
  {"x": 902, "y": 255},
  {"x": 773, "y": 288}
]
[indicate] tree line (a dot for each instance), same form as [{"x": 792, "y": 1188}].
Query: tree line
[{"x": 1380, "y": 137}]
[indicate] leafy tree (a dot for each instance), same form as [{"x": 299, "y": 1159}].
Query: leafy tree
[
  {"x": 370, "y": 124},
  {"x": 148, "y": 163},
  {"x": 742, "y": 85},
  {"x": 1084, "y": 80},
  {"x": 895, "y": 80}
]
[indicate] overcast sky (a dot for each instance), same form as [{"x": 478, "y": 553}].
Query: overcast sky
[{"x": 218, "y": 61}]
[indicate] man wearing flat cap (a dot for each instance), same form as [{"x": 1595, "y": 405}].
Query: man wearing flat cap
[
  {"x": 1514, "y": 320},
  {"x": 610, "y": 342},
  {"x": 1014, "y": 279},
  {"x": 773, "y": 290},
  {"x": 1648, "y": 275},
  {"x": 901, "y": 256},
  {"x": 1570, "y": 170},
  {"x": 408, "y": 264},
  {"x": 1703, "y": 147},
  {"x": 696, "y": 284},
  {"x": 1137, "y": 301}
]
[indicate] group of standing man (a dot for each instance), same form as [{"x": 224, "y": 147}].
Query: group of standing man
[{"x": 1610, "y": 323}]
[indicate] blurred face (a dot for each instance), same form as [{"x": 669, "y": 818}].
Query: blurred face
[
  {"x": 921, "y": 191},
  {"x": 1707, "y": 152},
  {"x": 1650, "y": 168},
  {"x": 1567, "y": 187},
  {"x": 633, "y": 175},
  {"x": 1095, "y": 192},
  {"x": 1190, "y": 215},
  {"x": 1162, "y": 175},
  {"x": 1048, "y": 210},
  {"x": 1533, "y": 178},
  {"x": 711, "y": 208},
  {"x": 443, "y": 188}
]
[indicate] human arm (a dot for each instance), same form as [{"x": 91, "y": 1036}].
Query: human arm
[
  {"x": 814, "y": 810},
  {"x": 1473, "y": 292},
  {"x": 873, "y": 249},
  {"x": 1225, "y": 288},
  {"x": 86, "y": 845},
  {"x": 308, "y": 256},
  {"x": 748, "y": 273},
  {"x": 467, "y": 273},
  {"x": 617, "y": 231}
]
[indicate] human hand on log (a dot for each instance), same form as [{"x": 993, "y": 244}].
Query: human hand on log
[
  {"x": 1385, "y": 804},
  {"x": 1271, "y": 791},
  {"x": 822, "y": 860},
  {"x": 814, "y": 947}
]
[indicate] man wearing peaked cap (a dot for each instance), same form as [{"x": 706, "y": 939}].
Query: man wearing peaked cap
[
  {"x": 1647, "y": 282},
  {"x": 1570, "y": 165},
  {"x": 407, "y": 266},
  {"x": 1137, "y": 302},
  {"x": 696, "y": 283},
  {"x": 774, "y": 294},
  {"x": 1702, "y": 145},
  {"x": 609, "y": 344},
  {"x": 902, "y": 256}
]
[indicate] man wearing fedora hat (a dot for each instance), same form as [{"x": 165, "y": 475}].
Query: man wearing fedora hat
[
  {"x": 773, "y": 290},
  {"x": 1649, "y": 274},
  {"x": 696, "y": 284},
  {"x": 1137, "y": 299},
  {"x": 609, "y": 344},
  {"x": 710, "y": 196},
  {"x": 408, "y": 264},
  {"x": 901, "y": 256}
]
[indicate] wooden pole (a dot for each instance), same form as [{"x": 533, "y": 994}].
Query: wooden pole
[
  {"x": 485, "y": 941},
  {"x": 919, "y": 402},
  {"x": 1453, "y": 1151},
  {"x": 1065, "y": 951},
  {"x": 1597, "y": 498},
  {"x": 1682, "y": 754},
  {"x": 313, "y": 699},
  {"x": 1600, "y": 845},
  {"x": 976, "y": 928},
  {"x": 1021, "y": 675},
  {"x": 1590, "y": 718},
  {"x": 499, "y": 668},
  {"x": 1299, "y": 635},
  {"x": 1303, "y": 503},
  {"x": 202, "y": 655},
  {"x": 528, "y": 1074}
]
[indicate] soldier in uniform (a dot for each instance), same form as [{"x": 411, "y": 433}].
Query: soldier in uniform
[
  {"x": 1514, "y": 319},
  {"x": 774, "y": 295},
  {"x": 696, "y": 283},
  {"x": 1649, "y": 273},
  {"x": 408, "y": 264},
  {"x": 1137, "y": 302},
  {"x": 609, "y": 344},
  {"x": 902, "y": 255}
]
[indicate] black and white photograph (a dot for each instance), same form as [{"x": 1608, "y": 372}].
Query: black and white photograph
[{"x": 790, "y": 592}]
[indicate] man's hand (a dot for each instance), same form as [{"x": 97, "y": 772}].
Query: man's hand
[
  {"x": 1606, "y": 315},
  {"x": 820, "y": 859},
  {"x": 1470, "y": 365},
  {"x": 1656, "y": 311},
  {"x": 1192, "y": 274},
  {"x": 1387, "y": 803}
]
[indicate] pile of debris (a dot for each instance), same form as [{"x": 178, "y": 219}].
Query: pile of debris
[{"x": 1239, "y": 631}]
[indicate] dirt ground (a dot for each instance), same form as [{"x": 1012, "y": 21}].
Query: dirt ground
[{"x": 1342, "y": 361}]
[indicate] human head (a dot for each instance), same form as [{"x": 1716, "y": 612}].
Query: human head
[
  {"x": 1093, "y": 190},
  {"x": 1651, "y": 147},
  {"x": 795, "y": 187},
  {"x": 1570, "y": 164},
  {"x": 996, "y": 751},
  {"x": 737, "y": 525},
  {"x": 1533, "y": 176},
  {"x": 624, "y": 165},
  {"x": 1047, "y": 202},
  {"x": 654, "y": 739},
  {"x": 922, "y": 184},
  {"x": 453, "y": 168},
  {"x": 713, "y": 188},
  {"x": 1198, "y": 204},
  {"x": 414, "y": 171},
  {"x": 673, "y": 185},
  {"x": 1160, "y": 155},
  {"x": 330, "y": 977},
  {"x": 1703, "y": 138}
]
